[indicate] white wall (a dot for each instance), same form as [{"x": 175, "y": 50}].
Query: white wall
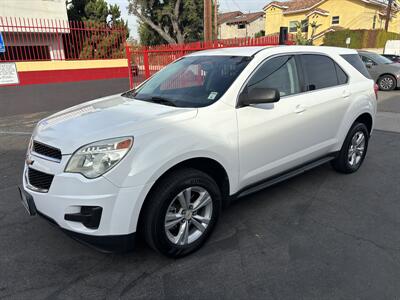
[
  {"x": 226, "y": 31},
  {"x": 32, "y": 9}
]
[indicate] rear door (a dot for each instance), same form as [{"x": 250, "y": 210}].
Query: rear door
[{"x": 327, "y": 99}]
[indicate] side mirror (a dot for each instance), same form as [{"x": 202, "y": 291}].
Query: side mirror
[{"x": 259, "y": 96}]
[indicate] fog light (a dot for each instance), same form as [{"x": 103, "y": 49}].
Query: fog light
[{"x": 89, "y": 216}]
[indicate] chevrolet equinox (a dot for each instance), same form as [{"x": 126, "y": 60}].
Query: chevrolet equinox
[{"x": 164, "y": 158}]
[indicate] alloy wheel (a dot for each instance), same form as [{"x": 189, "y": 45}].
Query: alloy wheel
[
  {"x": 386, "y": 83},
  {"x": 188, "y": 215},
  {"x": 356, "y": 149}
]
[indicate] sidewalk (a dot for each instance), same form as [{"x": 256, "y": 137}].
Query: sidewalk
[{"x": 388, "y": 121}]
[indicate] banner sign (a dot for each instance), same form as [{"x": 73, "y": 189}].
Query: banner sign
[{"x": 8, "y": 74}]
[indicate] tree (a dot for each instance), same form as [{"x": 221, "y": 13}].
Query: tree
[
  {"x": 261, "y": 33},
  {"x": 171, "y": 21},
  {"x": 314, "y": 26},
  {"x": 76, "y": 9},
  {"x": 107, "y": 31}
]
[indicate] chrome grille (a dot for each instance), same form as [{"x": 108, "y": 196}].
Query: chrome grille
[
  {"x": 46, "y": 150},
  {"x": 39, "y": 180}
]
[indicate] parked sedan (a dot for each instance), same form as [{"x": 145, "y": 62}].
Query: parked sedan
[
  {"x": 392, "y": 57},
  {"x": 385, "y": 72}
]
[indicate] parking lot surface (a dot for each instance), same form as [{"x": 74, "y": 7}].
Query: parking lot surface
[{"x": 321, "y": 235}]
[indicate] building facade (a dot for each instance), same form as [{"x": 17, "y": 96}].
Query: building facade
[
  {"x": 317, "y": 17},
  {"x": 239, "y": 25},
  {"x": 33, "y": 23}
]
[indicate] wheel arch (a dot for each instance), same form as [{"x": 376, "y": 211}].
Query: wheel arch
[
  {"x": 208, "y": 165},
  {"x": 366, "y": 119}
]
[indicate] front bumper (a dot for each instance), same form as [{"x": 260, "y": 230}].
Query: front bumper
[
  {"x": 108, "y": 244},
  {"x": 69, "y": 193}
]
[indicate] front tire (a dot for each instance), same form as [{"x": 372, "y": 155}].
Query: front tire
[
  {"x": 387, "y": 83},
  {"x": 354, "y": 149},
  {"x": 181, "y": 212}
]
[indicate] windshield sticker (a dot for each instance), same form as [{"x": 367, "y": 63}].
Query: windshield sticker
[{"x": 212, "y": 95}]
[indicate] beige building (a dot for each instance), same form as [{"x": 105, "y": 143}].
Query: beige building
[{"x": 239, "y": 25}]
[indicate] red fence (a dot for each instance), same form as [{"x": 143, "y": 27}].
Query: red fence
[
  {"x": 41, "y": 39},
  {"x": 144, "y": 62}
]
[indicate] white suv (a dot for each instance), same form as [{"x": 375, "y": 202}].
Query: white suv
[{"x": 164, "y": 158}]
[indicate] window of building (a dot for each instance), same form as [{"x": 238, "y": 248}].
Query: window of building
[
  {"x": 278, "y": 73},
  {"x": 320, "y": 71},
  {"x": 293, "y": 26},
  {"x": 241, "y": 26},
  {"x": 304, "y": 25},
  {"x": 374, "y": 22},
  {"x": 335, "y": 20}
]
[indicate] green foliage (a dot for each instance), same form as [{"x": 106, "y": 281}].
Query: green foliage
[
  {"x": 299, "y": 38},
  {"x": 261, "y": 33},
  {"x": 148, "y": 36},
  {"x": 107, "y": 30},
  {"x": 360, "y": 38}
]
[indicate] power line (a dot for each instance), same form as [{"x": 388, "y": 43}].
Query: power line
[{"x": 237, "y": 5}]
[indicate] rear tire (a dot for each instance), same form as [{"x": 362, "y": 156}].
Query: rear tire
[
  {"x": 181, "y": 212},
  {"x": 354, "y": 149},
  {"x": 387, "y": 83}
]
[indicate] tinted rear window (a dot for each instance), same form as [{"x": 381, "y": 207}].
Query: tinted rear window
[
  {"x": 320, "y": 71},
  {"x": 356, "y": 62},
  {"x": 342, "y": 77}
]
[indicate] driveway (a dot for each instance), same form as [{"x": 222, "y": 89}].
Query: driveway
[{"x": 321, "y": 235}]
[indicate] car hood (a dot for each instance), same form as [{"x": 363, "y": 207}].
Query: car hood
[{"x": 109, "y": 117}]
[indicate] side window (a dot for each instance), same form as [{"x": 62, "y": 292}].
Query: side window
[
  {"x": 278, "y": 73},
  {"x": 341, "y": 75},
  {"x": 367, "y": 61},
  {"x": 320, "y": 71}
]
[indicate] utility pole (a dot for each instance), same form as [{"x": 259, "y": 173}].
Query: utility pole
[
  {"x": 388, "y": 13},
  {"x": 208, "y": 20},
  {"x": 215, "y": 19}
]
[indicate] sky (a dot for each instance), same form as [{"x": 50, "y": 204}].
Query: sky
[{"x": 225, "y": 5}]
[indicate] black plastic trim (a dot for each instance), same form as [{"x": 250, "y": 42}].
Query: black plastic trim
[
  {"x": 103, "y": 243},
  {"x": 283, "y": 176},
  {"x": 89, "y": 216}
]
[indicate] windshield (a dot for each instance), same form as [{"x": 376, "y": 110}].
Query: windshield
[
  {"x": 379, "y": 59},
  {"x": 195, "y": 81}
]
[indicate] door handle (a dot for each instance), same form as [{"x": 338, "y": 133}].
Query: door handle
[{"x": 299, "y": 109}]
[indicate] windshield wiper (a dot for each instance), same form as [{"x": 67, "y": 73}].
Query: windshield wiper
[
  {"x": 129, "y": 94},
  {"x": 160, "y": 100}
]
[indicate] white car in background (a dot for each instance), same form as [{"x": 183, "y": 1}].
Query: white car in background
[{"x": 214, "y": 125}]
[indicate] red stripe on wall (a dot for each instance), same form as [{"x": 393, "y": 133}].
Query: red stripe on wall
[{"x": 56, "y": 76}]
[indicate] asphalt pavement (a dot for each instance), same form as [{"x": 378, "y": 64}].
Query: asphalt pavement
[{"x": 321, "y": 235}]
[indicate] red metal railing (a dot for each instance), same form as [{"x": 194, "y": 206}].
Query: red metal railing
[
  {"x": 42, "y": 39},
  {"x": 143, "y": 62}
]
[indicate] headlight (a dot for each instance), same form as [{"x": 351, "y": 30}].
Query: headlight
[{"x": 95, "y": 159}]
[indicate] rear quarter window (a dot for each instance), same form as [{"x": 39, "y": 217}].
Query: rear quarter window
[{"x": 356, "y": 62}]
